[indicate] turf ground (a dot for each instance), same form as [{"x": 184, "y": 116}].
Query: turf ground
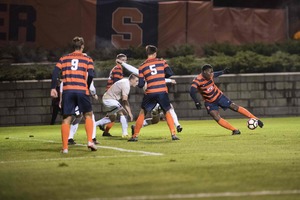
[{"x": 207, "y": 163}]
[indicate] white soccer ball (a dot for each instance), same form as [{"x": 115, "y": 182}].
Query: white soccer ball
[{"x": 252, "y": 123}]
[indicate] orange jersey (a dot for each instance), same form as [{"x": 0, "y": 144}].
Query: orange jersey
[
  {"x": 74, "y": 68},
  {"x": 207, "y": 88},
  {"x": 153, "y": 71},
  {"x": 115, "y": 75}
]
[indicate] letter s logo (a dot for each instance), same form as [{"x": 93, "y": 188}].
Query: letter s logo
[{"x": 122, "y": 28}]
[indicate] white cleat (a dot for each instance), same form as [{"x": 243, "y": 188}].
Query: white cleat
[
  {"x": 92, "y": 146},
  {"x": 65, "y": 151}
]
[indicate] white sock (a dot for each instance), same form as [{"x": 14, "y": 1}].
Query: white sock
[
  {"x": 103, "y": 121},
  {"x": 174, "y": 116},
  {"x": 94, "y": 127},
  {"x": 124, "y": 125},
  {"x": 73, "y": 129}
]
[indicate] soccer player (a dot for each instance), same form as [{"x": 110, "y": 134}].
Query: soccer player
[
  {"x": 118, "y": 91},
  {"x": 214, "y": 98},
  {"x": 77, "y": 74},
  {"x": 78, "y": 117},
  {"x": 115, "y": 75},
  {"x": 153, "y": 72},
  {"x": 155, "y": 113}
]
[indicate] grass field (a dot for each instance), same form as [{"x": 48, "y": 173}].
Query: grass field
[{"x": 206, "y": 163}]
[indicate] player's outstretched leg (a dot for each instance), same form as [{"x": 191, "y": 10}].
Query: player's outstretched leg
[
  {"x": 137, "y": 127},
  {"x": 171, "y": 125},
  {"x": 222, "y": 122},
  {"x": 248, "y": 114}
]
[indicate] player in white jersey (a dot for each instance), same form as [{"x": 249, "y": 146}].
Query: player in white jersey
[
  {"x": 79, "y": 116},
  {"x": 155, "y": 114},
  {"x": 118, "y": 91}
]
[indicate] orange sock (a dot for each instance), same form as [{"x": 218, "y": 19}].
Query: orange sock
[
  {"x": 138, "y": 125},
  {"x": 222, "y": 122},
  {"x": 108, "y": 126},
  {"x": 65, "y": 130},
  {"x": 246, "y": 113},
  {"x": 89, "y": 126},
  {"x": 170, "y": 123}
]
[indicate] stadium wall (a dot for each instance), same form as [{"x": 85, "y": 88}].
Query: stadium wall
[{"x": 266, "y": 95}]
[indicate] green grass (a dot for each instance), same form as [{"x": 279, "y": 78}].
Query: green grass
[{"x": 207, "y": 160}]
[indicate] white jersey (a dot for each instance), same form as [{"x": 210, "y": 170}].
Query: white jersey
[{"x": 118, "y": 89}]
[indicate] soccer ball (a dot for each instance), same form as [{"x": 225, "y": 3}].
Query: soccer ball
[{"x": 252, "y": 123}]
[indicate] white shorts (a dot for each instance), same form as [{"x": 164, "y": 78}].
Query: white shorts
[{"x": 112, "y": 106}]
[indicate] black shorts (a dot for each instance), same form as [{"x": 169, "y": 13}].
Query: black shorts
[
  {"x": 71, "y": 99},
  {"x": 150, "y": 101}
]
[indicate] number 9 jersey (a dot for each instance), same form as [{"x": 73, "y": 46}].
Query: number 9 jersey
[{"x": 74, "y": 67}]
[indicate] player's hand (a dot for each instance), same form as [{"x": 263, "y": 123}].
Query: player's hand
[
  {"x": 131, "y": 117},
  {"x": 173, "y": 81},
  {"x": 118, "y": 61},
  {"x": 53, "y": 93},
  {"x": 198, "y": 105},
  {"x": 226, "y": 71},
  {"x": 95, "y": 97}
]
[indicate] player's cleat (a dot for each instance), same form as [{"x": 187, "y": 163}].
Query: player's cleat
[
  {"x": 106, "y": 134},
  {"x": 95, "y": 141},
  {"x": 102, "y": 127},
  {"x": 92, "y": 146},
  {"x": 179, "y": 129},
  {"x": 125, "y": 136},
  {"x": 133, "y": 139},
  {"x": 132, "y": 129},
  {"x": 236, "y": 132},
  {"x": 174, "y": 137},
  {"x": 260, "y": 123},
  {"x": 71, "y": 141},
  {"x": 64, "y": 151}
]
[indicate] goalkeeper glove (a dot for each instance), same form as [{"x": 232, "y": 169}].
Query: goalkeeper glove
[{"x": 198, "y": 105}]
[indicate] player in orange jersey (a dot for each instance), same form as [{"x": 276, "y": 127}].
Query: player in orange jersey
[
  {"x": 115, "y": 75},
  {"x": 77, "y": 74},
  {"x": 214, "y": 98},
  {"x": 153, "y": 72}
]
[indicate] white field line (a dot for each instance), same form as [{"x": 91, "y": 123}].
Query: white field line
[
  {"x": 205, "y": 195},
  {"x": 142, "y": 153}
]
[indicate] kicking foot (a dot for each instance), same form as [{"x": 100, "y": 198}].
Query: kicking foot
[{"x": 260, "y": 123}]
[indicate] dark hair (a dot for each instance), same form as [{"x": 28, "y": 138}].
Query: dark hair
[
  {"x": 132, "y": 75},
  {"x": 151, "y": 49},
  {"x": 121, "y": 55},
  {"x": 206, "y": 66},
  {"x": 77, "y": 42}
]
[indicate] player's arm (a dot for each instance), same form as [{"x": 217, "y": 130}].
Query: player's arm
[
  {"x": 93, "y": 91},
  {"x": 60, "y": 93},
  {"x": 219, "y": 73},
  {"x": 193, "y": 94},
  {"x": 125, "y": 104},
  {"x": 90, "y": 77},
  {"x": 168, "y": 72},
  {"x": 130, "y": 68},
  {"x": 53, "y": 92}
]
